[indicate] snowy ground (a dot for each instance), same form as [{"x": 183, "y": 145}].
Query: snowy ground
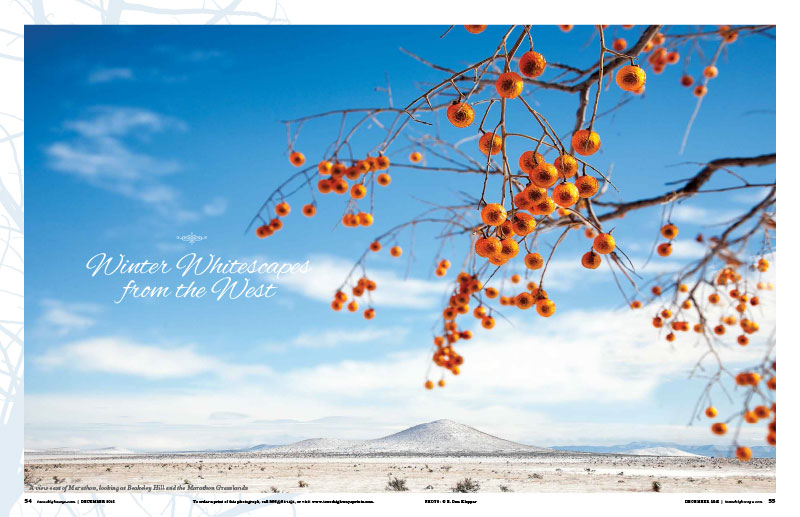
[{"x": 543, "y": 472}]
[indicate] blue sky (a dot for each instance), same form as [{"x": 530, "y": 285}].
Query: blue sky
[{"x": 137, "y": 135}]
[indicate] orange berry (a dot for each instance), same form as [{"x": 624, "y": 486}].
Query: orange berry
[
  {"x": 728, "y": 35},
  {"x": 382, "y": 162},
  {"x": 585, "y": 142},
  {"x": 669, "y": 231},
  {"x": 340, "y": 187},
  {"x": 544, "y": 207},
  {"x": 508, "y": 248},
  {"x": 700, "y": 90},
  {"x": 493, "y": 214},
  {"x": 687, "y": 80},
  {"x": 711, "y": 411},
  {"x": 587, "y": 186},
  {"x": 744, "y": 453},
  {"x": 375, "y": 246},
  {"x": 591, "y": 260},
  {"x": 396, "y": 251},
  {"x": 532, "y": 64},
  {"x": 487, "y": 322},
  {"x": 604, "y": 243},
  {"x": 630, "y": 77},
  {"x": 358, "y": 191},
  {"x": 673, "y": 57},
  {"x": 309, "y": 210},
  {"x": 566, "y": 194},
  {"x": 544, "y": 175},
  {"x": 324, "y": 186},
  {"x": 719, "y": 428},
  {"x": 664, "y": 249},
  {"x": 534, "y": 261},
  {"x": 490, "y": 143},
  {"x": 297, "y": 159},
  {"x": 523, "y": 301},
  {"x": 534, "y": 194},
  {"x": 369, "y": 314},
  {"x": 283, "y": 209},
  {"x": 529, "y": 160},
  {"x": 545, "y": 307},
  {"x": 383, "y": 179},
  {"x": 710, "y": 71},
  {"x": 428, "y": 385},
  {"x": 460, "y": 114},
  {"x": 761, "y": 411},
  {"x": 565, "y": 28},
  {"x": 264, "y": 230},
  {"x": 636, "y": 304},
  {"x": 619, "y": 44},
  {"x": 475, "y": 29},
  {"x": 415, "y": 157},
  {"x": 488, "y": 246},
  {"x": 441, "y": 383},
  {"x": 365, "y": 219},
  {"x": 566, "y": 165},
  {"x": 523, "y": 223},
  {"x": 509, "y": 85}
]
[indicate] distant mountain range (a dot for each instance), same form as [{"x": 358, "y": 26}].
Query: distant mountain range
[
  {"x": 715, "y": 451},
  {"x": 444, "y": 437},
  {"x": 439, "y": 437}
]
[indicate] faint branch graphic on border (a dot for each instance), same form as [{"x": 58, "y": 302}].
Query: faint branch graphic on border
[
  {"x": 14, "y": 16},
  {"x": 113, "y": 12}
]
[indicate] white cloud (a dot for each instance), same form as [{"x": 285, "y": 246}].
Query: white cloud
[
  {"x": 326, "y": 274},
  {"x": 191, "y": 56},
  {"x": 335, "y": 338},
  {"x": 515, "y": 382},
  {"x": 61, "y": 318},
  {"x": 106, "y": 75},
  {"x": 120, "y": 356},
  {"x": 103, "y": 152},
  {"x": 217, "y": 206},
  {"x": 701, "y": 216},
  {"x": 107, "y": 121}
]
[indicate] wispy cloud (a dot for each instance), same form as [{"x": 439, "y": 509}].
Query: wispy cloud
[
  {"x": 61, "y": 318},
  {"x": 190, "y": 55},
  {"x": 122, "y": 356},
  {"x": 217, "y": 206},
  {"x": 338, "y": 337},
  {"x": 107, "y": 75},
  {"x": 104, "y": 152},
  {"x": 702, "y": 216}
]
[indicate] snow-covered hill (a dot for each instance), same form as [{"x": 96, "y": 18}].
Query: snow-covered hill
[
  {"x": 661, "y": 451},
  {"x": 439, "y": 437}
]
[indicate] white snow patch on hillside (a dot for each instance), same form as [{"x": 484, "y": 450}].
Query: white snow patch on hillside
[{"x": 661, "y": 451}]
